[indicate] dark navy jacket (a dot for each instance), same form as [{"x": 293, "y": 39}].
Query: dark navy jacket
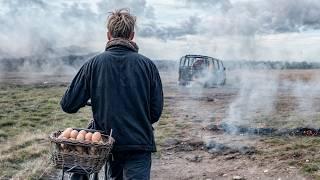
[{"x": 126, "y": 96}]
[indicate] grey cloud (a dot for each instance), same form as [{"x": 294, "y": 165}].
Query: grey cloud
[
  {"x": 261, "y": 16},
  {"x": 187, "y": 27},
  {"x": 222, "y": 4},
  {"x": 294, "y": 15},
  {"x": 149, "y": 12},
  {"x": 38, "y": 27},
  {"x": 136, "y": 6}
]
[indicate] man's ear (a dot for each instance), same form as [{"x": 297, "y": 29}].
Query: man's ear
[
  {"x": 109, "y": 36},
  {"x": 131, "y": 36}
]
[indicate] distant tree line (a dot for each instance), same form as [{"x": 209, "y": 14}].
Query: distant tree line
[
  {"x": 243, "y": 64},
  {"x": 76, "y": 61},
  {"x": 271, "y": 65}
]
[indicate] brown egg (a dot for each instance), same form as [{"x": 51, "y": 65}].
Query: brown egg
[
  {"x": 83, "y": 132},
  {"x": 96, "y": 137},
  {"x": 74, "y": 134},
  {"x": 88, "y": 136},
  {"x": 80, "y": 137},
  {"x": 66, "y": 132},
  {"x": 72, "y": 139}
]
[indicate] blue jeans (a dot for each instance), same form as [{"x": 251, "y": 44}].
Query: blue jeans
[{"x": 131, "y": 165}]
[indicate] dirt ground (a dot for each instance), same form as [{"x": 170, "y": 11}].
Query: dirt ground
[
  {"x": 184, "y": 133},
  {"x": 192, "y": 110}
]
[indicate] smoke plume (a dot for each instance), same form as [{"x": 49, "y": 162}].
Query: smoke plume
[
  {"x": 256, "y": 97},
  {"x": 42, "y": 28},
  {"x": 268, "y": 98}
]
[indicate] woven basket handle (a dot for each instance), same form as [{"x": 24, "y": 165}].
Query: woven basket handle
[{"x": 110, "y": 136}]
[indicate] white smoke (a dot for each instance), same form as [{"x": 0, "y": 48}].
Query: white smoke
[
  {"x": 256, "y": 97},
  {"x": 273, "y": 98},
  {"x": 40, "y": 28},
  {"x": 307, "y": 95}
]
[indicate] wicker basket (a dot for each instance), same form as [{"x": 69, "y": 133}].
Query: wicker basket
[{"x": 79, "y": 157}]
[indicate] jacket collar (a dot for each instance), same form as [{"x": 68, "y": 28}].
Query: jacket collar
[{"x": 122, "y": 42}]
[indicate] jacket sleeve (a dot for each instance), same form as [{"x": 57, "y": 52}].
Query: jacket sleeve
[
  {"x": 156, "y": 96},
  {"x": 78, "y": 93}
]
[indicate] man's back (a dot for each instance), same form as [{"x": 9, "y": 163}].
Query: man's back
[{"x": 126, "y": 96}]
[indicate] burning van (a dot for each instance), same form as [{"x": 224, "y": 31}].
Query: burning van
[{"x": 203, "y": 70}]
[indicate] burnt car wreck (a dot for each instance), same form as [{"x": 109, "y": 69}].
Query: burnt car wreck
[{"x": 203, "y": 70}]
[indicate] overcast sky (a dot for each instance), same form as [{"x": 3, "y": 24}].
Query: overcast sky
[{"x": 226, "y": 29}]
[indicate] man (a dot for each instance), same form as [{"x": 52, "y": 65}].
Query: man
[{"x": 126, "y": 96}]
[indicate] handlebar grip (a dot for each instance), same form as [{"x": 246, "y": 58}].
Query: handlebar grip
[{"x": 88, "y": 103}]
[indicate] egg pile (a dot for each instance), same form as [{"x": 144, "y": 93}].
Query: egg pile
[{"x": 81, "y": 136}]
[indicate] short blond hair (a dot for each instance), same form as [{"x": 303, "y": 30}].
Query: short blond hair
[{"x": 121, "y": 23}]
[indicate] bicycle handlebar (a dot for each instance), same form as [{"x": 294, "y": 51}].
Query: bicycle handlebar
[{"x": 89, "y": 103}]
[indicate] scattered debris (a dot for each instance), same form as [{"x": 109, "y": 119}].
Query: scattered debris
[
  {"x": 183, "y": 145},
  {"x": 219, "y": 148},
  {"x": 210, "y": 99},
  {"x": 238, "y": 178},
  {"x": 194, "y": 158},
  {"x": 235, "y": 129},
  {"x": 230, "y": 157},
  {"x": 171, "y": 142},
  {"x": 212, "y": 127}
]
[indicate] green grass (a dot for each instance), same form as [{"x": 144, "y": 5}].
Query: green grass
[
  {"x": 301, "y": 152},
  {"x": 165, "y": 128},
  {"x": 311, "y": 167},
  {"x": 27, "y": 115}
]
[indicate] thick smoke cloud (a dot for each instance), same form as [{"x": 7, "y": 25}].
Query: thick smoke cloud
[
  {"x": 260, "y": 17},
  {"x": 244, "y": 18},
  {"x": 223, "y": 4},
  {"x": 138, "y": 7},
  {"x": 36, "y": 27},
  {"x": 187, "y": 27},
  {"x": 51, "y": 28}
]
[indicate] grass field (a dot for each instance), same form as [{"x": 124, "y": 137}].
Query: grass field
[
  {"x": 29, "y": 112},
  {"x": 297, "y": 152}
]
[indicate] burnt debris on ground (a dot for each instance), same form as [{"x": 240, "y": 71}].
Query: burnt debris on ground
[
  {"x": 182, "y": 145},
  {"x": 265, "y": 131},
  {"x": 210, "y": 146},
  {"x": 214, "y": 147}
]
